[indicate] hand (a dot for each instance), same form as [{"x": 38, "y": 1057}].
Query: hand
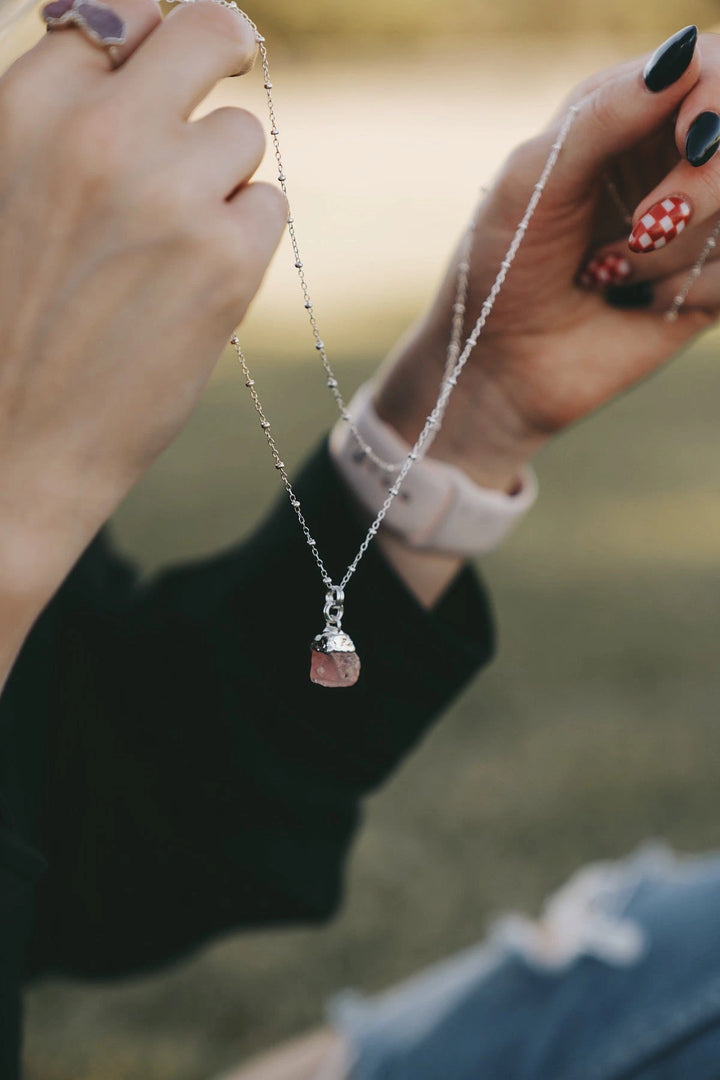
[
  {"x": 131, "y": 244},
  {"x": 554, "y": 351}
]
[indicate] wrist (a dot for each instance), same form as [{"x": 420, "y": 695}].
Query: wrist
[
  {"x": 482, "y": 434},
  {"x": 439, "y": 509},
  {"x": 47, "y": 519},
  {"x": 26, "y": 587}
]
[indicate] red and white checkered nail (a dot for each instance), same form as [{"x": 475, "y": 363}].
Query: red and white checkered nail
[
  {"x": 660, "y": 224},
  {"x": 608, "y": 269}
]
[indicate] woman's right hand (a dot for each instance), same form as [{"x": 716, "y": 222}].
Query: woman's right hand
[{"x": 131, "y": 245}]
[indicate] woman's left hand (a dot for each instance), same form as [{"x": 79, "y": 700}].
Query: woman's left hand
[{"x": 554, "y": 348}]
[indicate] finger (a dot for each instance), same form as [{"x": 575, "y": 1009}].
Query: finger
[
  {"x": 226, "y": 148},
  {"x": 256, "y": 219},
  {"x": 615, "y": 264},
  {"x": 593, "y": 83},
  {"x": 661, "y": 69},
  {"x": 66, "y": 58},
  {"x": 690, "y": 190},
  {"x": 620, "y": 112},
  {"x": 197, "y": 44},
  {"x": 698, "y": 124},
  {"x": 703, "y": 298}
]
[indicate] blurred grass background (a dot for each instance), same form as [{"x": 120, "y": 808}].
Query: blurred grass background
[
  {"x": 407, "y": 21},
  {"x": 597, "y": 727}
]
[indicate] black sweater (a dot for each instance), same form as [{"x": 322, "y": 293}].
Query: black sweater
[{"x": 167, "y": 770}]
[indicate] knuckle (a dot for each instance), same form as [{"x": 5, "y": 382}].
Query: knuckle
[
  {"x": 708, "y": 180},
  {"x": 519, "y": 168},
  {"x": 607, "y": 77},
  {"x": 604, "y": 111},
  {"x": 93, "y": 143},
  {"x": 269, "y": 207},
  {"x": 241, "y": 251},
  {"x": 211, "y": 19},
  {"x": 254, "y": 133},
  {"x": 586, "y": 86},
  {"x": 244, "y": 128},
  {"x": 584, "y": 89},
  {"x": 523, "y": 156},
  {"x": 145, "y": 11}
]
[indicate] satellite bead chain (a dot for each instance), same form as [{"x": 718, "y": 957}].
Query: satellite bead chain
[{"x": 334, "y": 660}]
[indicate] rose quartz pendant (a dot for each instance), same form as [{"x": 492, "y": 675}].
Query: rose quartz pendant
[{"x": 334, "y": 660}]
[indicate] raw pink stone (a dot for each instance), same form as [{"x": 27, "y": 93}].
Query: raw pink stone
[{"x": 335, "y": 669}]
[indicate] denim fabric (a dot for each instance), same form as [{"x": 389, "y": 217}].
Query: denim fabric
[{"x": 619, "y": 980}]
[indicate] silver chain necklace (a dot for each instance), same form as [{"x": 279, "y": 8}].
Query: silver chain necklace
[{"x": 334, "y": 658}]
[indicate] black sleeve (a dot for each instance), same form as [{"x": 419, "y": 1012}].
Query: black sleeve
[{"x": 197, "y": 781}]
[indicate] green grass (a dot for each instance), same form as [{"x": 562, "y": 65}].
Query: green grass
[{"x": 596, "y": 728}]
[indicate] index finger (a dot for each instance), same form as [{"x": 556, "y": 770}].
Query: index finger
[
  {"x": 67, "y": 60},
  {"x": 615, "y": 111},
  {"x": 198, "y": 43}
]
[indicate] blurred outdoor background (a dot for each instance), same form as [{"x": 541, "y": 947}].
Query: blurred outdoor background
[{"x": 598, "y": 726}]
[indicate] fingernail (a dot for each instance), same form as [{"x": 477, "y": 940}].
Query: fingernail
[
  {"x": 671, "y": 60},
  {"x": 608, "y": 269},
  {"x": 703, "y": 138},
  {"x": 660, "y": 224},
  {"x": 638, "y": 295}
]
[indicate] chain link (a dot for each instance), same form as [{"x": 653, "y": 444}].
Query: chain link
[
  {"x": 457, "y": 358},
  {"x": 280, "y": 465},
  {"x": 332, "y": 381}
]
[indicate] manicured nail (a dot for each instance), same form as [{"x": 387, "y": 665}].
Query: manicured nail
[
  {"x": 703, "y": 138},
  {"x": 608, "y": 269},
  {"x": 671, "y": 60},
  {"x": 660, "y": 224},
  {"x": 638, "y": 295}
]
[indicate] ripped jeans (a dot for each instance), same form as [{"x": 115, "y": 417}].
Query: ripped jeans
[{"x": 619, "y": 980}]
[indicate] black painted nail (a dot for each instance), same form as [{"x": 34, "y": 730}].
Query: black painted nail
[
  {"x": 638, "y": 295},
  {"x": 671, "y": 60},
  {"x": 703, "y": 138}
]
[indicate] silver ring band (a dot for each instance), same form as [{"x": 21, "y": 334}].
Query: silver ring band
[{"x": 96, "y": 21}]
